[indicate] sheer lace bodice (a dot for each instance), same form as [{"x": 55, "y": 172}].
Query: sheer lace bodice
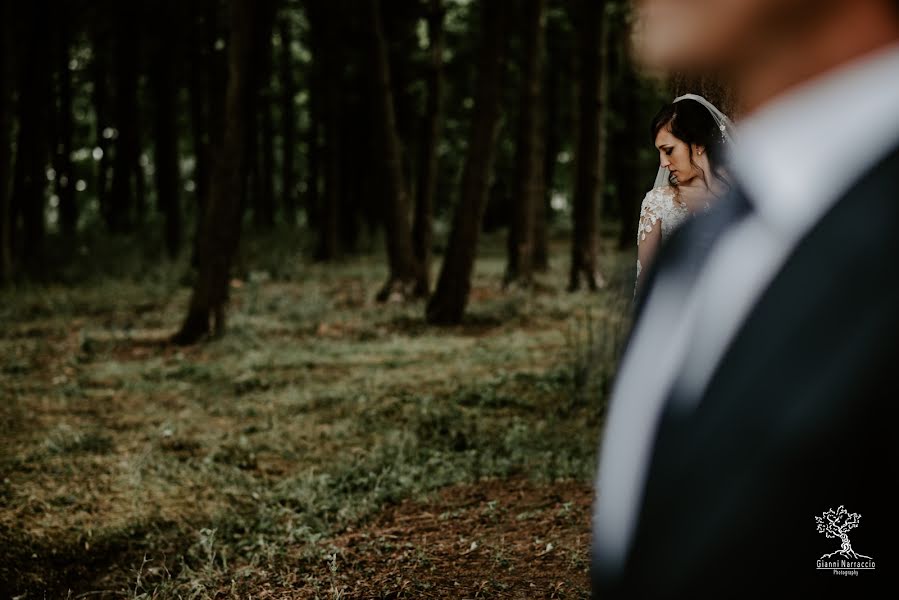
[{"x": 660, "y": 208}]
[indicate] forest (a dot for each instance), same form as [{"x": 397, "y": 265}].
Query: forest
[{"x": 312, "y": 298}]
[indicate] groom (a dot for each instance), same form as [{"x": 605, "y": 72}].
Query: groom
[{"x": 759, "y": 386}]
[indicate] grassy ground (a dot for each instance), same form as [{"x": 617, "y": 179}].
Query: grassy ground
[{"x": 326, "y": 447}]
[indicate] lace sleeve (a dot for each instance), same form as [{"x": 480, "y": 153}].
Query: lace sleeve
[
  {"x": 649, "y": 216},
  {"x": 648, "y": 230}
]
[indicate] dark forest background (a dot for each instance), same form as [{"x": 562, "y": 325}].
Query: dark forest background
[{"x": 410, "y": 125}]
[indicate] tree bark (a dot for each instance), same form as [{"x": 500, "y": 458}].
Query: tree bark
[
  {"x": 166, "y": 147},
  {"x": 422, "y": 224},
  {"x": 201, "y": 49},
  {"x": 587, "y": 187},
  {"x": 100, "y": 73},
  {"x": 222, "y": 230},
  {"x": 447, "y": 305},
  {"x": 313, "y": 133},
  {"x": 352, "y": 161},
  {"x": 126, "y": 170},
  {"x": 327, "y": 56},
  {"x": 625, "y": 161},
  {"x": 288, "y": 126},
  {"x": 406, "y": 271},
  {"x": 552, "y": 141},
  {"x": 65, "y": 183},
  {"x": 33, "y": 143},
  {"x": 7, "y": 71},
  {"x": 264, "y": 193},
  {"x": 527, "y": 194}
]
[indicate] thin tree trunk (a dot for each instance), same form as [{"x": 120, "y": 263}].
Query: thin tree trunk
[
  {"x": 627, "y": 152},
  {"x": 7, "y": 77},
  {"x": 551, "y": 140},
  {"x": 585, "y": 242},
  {"x": 352, "y": 159},
  {"x": 407, "y": 273},
  {"x": 65, "y": 183},
  {"x": 166, "y": 147},
  {"x": 447, "y": 304},
  {"x": 100, "y": 70},
  {"x": 527, "y": 194},
  {"x": 222, "y": 231},
  {"x": 264, "y": 200},
  {"x": 422, "y": 225},
  {"x": 126, "y": 170},
  {"x": 288, "y": 126},
  {"x": 327, "y": 56},
  {"x": 203, "y": 19},
  {"x": 329, "y": 245},
  {"x": 33, "y": 147},
  {"x": 268, "y": 165},
  {"x": 311, "y": 197},
  {"x": 313, "y": 133}
]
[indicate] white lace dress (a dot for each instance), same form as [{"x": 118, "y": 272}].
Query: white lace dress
[{"x": 661, "y": 204}]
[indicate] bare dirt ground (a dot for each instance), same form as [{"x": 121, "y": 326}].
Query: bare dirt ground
[{"x": 496, "y": 539}]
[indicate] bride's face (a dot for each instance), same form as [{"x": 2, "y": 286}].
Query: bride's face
[{"x": 675, "y": 155}]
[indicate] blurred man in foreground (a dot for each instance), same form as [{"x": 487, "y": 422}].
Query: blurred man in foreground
[{"x": 757, "y": 392}]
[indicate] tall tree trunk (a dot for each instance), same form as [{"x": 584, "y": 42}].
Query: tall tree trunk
[
  {"x": 311, "y": 195},
  {"x": 627, "y": 150},
  {"x": 315, "y": 111},
  {"x": 327, "y": 65},
  {"x": 352, "y": 160},
  {"x": 65, "y": 183},
  {"x": 288, "y": 125},
  {"x": 264, "y": 193},
  {"x": 100, "y": 71},
  {"x": 203, "y": 19},
  {"x": 447, "y": 304},
  {"x": 166, "y": 147},
  {"x": 407, "y": 273},
  {"x": 33, "y": 144},
  {"x": 527, "y": 194},
  {"x": 399, "y": 22},
  {"x": 222, "y": 231},
  {"x": 422, "y": 225},
  {"x": 126, "y": 170},
  {"x": 7, "y": 71},
  {"x": 587, "y": 187},
  {"x": 551, "y": 141}
]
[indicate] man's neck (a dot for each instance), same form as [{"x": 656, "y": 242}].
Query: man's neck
[{"x": 840, "y": 37}]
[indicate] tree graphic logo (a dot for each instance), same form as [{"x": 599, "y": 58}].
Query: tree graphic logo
[{"x": 837, "y": 524}]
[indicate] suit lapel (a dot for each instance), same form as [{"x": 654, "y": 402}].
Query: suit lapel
[{"x": 842, "y": 264}]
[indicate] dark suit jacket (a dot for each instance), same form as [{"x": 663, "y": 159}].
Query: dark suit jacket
[{"x": 798, "y": 418}]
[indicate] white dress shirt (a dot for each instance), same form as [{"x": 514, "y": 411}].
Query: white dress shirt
[{"x": 795, "y": 157}]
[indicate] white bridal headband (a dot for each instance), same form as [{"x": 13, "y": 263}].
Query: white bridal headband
[{"x": 725, "y": 125}]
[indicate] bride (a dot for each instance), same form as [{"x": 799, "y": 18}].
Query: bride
[{"x": 693, "y": 139}]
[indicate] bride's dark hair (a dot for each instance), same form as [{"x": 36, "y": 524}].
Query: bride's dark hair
[{"x": 692, "y": 123}]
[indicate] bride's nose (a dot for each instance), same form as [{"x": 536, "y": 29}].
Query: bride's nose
[{"x": 664, "y": 162}]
